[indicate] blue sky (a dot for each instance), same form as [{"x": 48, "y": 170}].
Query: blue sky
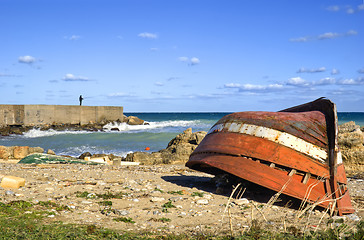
[{"x": 182, "y": 55}]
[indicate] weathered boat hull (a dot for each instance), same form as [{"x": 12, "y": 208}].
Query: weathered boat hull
[{"x": 293, "y": 151}]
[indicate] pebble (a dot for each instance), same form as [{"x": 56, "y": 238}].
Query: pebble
[
  {"x": 202, "y": 201},
  {"x": 241, "y": 201},
  {"x": 156, "y": 212},
  {"x": 157, "y": 199},
  {"x": 135, "y": 200},
  {"x": 121, "y": 212},
  {"x": 353, "y": 217},
  {"x": 9, "y": 192},
  {"x": 175, "y": 199}
]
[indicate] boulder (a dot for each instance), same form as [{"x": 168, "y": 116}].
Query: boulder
[
  {"x": 20, "y": 152},
  {"x": 348, "y": 127},
  {"x": 132, "y": 120},
  {"x": 36, "y": 150},
  {"x": 144, "y": 158},
  {"x": 178, "y": 150},
  {"x": 351, "y": 143},
  {"x": 83, "y": 155},
  {"x": 4, "y": 153},
  {"x": 51, "y": 152}
]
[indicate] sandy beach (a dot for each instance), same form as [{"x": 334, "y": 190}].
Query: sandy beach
[{"x": 162, "y": 198}]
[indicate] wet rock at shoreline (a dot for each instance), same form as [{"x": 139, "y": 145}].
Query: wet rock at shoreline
[{"x": 91, "y": 126}]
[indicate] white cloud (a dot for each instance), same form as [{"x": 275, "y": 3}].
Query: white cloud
[
  {"x": 26, "y": 59},
  {"x": 351, "y": 32},
  {"x": 350, "y": 10},
  {"x": 361, "y": 70},
  {"x": 254, "y": 87},
  {"x": 192, "y": 61},
  {"x": 159, "y": 84},
  {"x": 315, "y": 70},
  {"x": 73, "y": 37},
  {"x": 232, "y": 85},
  {"x": 324, "y": 36},
  {"x": 325, "y": 81},
  {"x": 297, "y": 81},
  {"x": 195, "y": 61},
  {"x": 300, "y": 39},
  {"x": 183, "y": 59},
  {"x": 335, "y": 71},
  {"x": 328, "y": 35},
  {"x": 358, "y": 81},
  {"x": 148, "y": 35},
  {"x": 72, "y": 78},
  {"x": 334, "y": 8},
  {"x": 347, "y": 8}
]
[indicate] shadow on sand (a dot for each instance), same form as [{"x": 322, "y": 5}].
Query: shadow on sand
[{"x": 252, "y": 191}]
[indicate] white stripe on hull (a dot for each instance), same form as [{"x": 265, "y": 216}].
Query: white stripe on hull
[{"x": 276, "y": 136}]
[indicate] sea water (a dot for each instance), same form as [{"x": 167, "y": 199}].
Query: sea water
[{"x": 162, "y": 128}]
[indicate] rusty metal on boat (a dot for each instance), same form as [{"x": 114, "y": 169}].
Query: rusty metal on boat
[{"x": 293, "y": 151}]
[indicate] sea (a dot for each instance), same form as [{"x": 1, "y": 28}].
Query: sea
[{"x": 162, "y": 128}]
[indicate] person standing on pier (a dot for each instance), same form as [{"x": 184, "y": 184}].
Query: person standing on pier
[{"x": 80, "y": 98}]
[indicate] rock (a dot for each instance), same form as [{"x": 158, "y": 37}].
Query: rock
[
  {"x": 83, "y": 155},
  {"x": 175, "y": 199},
  {"x": 348, "y": 127},
  {"x": 36, "y": 150},
  {"x": 21, "y": 152},
  {"x": 12, "y": 182},
  {"x": 4, "y": 152},
  {"x": 50, "y": 151},
  {"x": 202, "y": 201},
  {"x": 121, "y": 212},
  {"x": 178, "y": 150},
  {"x": 351, "y": 139},
  {"x": 241, "y": 201},
  {"x": 351, "y": 143},
  {"x": 353, "y": 217},
  {"x": 157, "y": 199},
  {"x": 132, "y": 120}
]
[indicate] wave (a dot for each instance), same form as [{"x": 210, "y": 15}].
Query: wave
[
  {"x": 123, "y": 127},
  {"x": 78, "y": 150},
  {"x": 36, "y": 133}
]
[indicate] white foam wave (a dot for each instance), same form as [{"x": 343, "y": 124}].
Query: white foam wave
[
  {"x": 151, "y": 125},
  {"x": 36, "y": 132}
]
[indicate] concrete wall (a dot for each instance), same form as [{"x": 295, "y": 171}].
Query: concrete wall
[{"x": 30, "y": 115}]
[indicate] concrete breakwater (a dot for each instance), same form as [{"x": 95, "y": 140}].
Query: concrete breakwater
[{"x": 38, "y": 115}]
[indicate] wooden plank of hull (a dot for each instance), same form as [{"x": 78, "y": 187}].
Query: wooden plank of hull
[
  {"x": 309, "y": 126},
  {"x": 254, "y": 147},
  {"x": 266, "y": 176},
  {"x": 314, "y": 190}
]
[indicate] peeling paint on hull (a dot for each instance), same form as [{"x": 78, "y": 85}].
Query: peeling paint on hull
[{"x": 294, "y": 151}]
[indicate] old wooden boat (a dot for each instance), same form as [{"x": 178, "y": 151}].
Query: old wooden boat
[{"x": 294, "y": 151}]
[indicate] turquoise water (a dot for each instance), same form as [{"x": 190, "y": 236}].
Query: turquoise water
[{"x": 161, "y": 129}]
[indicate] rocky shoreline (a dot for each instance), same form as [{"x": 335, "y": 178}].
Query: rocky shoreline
[{"x": 91, "y": 127}]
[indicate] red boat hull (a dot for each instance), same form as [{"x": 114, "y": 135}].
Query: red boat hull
[{"x": 293, "y": 152}]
